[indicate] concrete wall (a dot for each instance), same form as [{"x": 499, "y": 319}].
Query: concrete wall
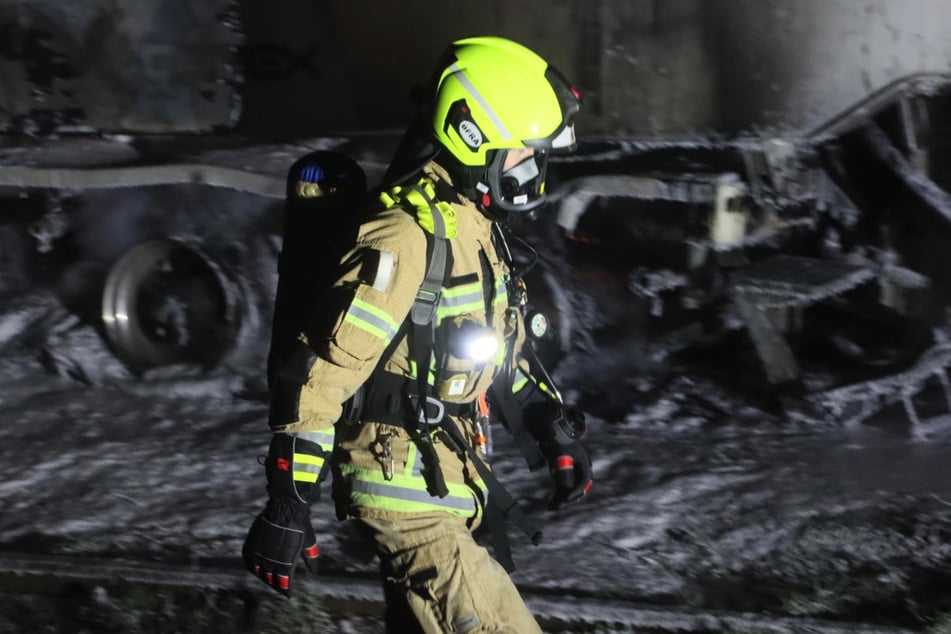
[
  {"x": 160, "y": 65},
  {"x": 641, "y": 65},
  {"x": 796, "y": 62},
  {"x": 355, "y": 61},
  {"x": 646, "y": 67}
]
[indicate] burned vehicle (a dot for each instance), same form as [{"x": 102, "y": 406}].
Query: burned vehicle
[
  {"x": 810, "y": 267},
  {"x": 165, "y": 247}
]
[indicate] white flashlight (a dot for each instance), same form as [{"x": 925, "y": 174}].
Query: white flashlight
[
  {"x": 471, "y": 341},
  {"x": 481, "y": 345}
]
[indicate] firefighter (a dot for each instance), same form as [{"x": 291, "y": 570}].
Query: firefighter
[{"x": 385, "y": 384}]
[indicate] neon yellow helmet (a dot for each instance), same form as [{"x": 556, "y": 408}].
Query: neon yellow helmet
[{"x": 493, "y": 95}]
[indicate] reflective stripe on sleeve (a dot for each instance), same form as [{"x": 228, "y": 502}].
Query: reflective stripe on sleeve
[
  {"x": 372, "y": 320},
  {"x": 323, "y": 438}
]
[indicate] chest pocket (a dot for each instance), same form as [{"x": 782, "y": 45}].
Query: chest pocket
[
  {"x": 471, "y": 332},
  {"x": 463, "y": 296}
]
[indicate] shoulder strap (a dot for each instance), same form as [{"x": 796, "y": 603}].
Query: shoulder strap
[
  {"x": 423, "y": 318},
  {"x": 438, "y": 267}
]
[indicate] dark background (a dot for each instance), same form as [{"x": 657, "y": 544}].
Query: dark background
[
  {"x": 714, "y": 509},
  {"x": 298, "y": 67}
]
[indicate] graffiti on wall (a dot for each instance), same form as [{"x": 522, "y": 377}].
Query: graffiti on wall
[{"x": 277, "y": 61}]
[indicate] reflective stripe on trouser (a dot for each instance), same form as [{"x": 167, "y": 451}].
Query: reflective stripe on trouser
[
  {"x": 370, "y": 480},
  {"x": 433, "y": 567},
  {"x": 368, "y": 488}
]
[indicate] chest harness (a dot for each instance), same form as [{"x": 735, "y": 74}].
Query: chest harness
[{"x": 393, "y": 399}]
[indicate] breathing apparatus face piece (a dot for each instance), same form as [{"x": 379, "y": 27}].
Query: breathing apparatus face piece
[
  {"x": 515, "y": 177},
  {"x": 519, "y": 189}
]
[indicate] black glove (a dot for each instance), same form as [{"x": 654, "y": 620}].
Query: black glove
[
  {"x": 282, "y": 532},
  {"x": 571, "y": 469},
  {"x": 279, "y": 535},
  {"x": 568, "y": 460}
]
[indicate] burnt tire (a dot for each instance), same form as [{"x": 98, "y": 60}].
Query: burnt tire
[{"x": 168, "y": 302}]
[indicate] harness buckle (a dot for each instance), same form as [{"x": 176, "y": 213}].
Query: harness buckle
[
  {"x": 424, "y": 308},
  {"x": 423, "y": 417}
]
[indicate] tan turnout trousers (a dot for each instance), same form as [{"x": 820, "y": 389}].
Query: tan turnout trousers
[{"x": 437, "y": 579}]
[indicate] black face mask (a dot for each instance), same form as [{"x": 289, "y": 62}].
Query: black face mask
[
  {"x": 518, "y": 190},
  {"x": 517, "y": 181}
]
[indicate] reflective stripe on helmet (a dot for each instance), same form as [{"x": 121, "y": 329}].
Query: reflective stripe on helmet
[{"x": 461, "y": 77}]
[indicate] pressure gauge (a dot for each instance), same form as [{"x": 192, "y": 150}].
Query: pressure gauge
[{"x": 538, "y": 325}]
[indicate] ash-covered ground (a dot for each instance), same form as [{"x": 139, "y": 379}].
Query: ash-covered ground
[{"x": 707, "y": 498}]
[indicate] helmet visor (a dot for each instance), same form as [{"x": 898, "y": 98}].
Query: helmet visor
[
  {"x": 565, "y": 140},
  {"x": 562, "y": 140}
]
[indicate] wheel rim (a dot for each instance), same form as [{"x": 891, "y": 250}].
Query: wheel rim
[{"x": 167, "y": 302}]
